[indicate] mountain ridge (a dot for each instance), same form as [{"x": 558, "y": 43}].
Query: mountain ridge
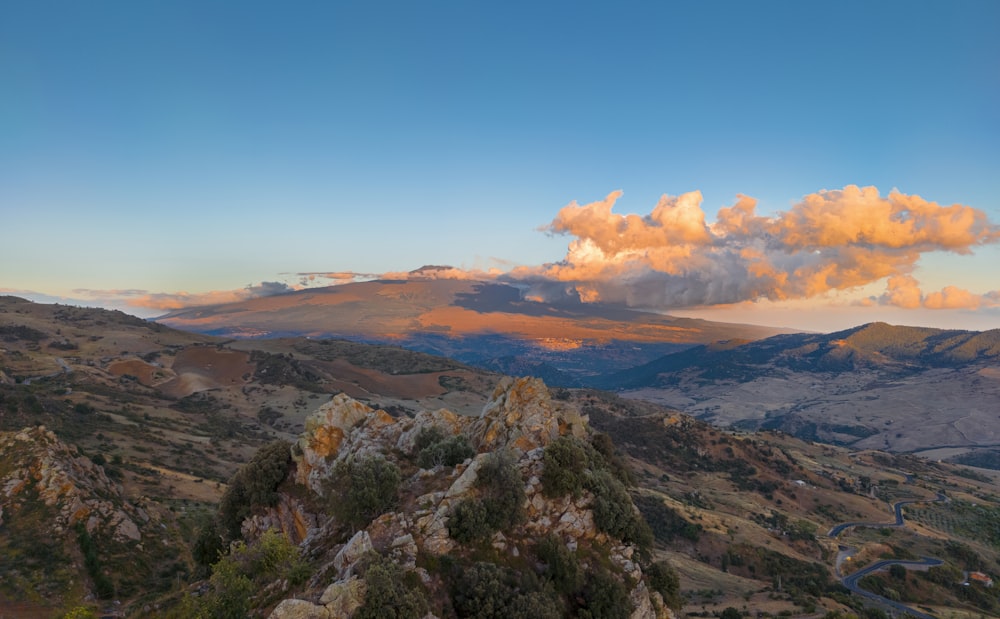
[{"x": 471, "y": 321}]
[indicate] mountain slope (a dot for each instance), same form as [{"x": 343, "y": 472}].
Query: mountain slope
[
  {"x": 874, "y": 386},
  {"x": 473, "y": 322}
]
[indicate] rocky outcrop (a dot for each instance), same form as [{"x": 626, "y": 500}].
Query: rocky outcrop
[
  {"x": 520, "y": 417},
  {"x": 289, "y": 516},
  {"x": 42, "y": 469}
]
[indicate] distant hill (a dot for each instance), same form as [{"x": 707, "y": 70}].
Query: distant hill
[
  {"x": 876, "y": 346},
  {"x": 153, "y": 437},
  {"x": 482, "y": 323},
  {"x": 874, "y": 386}
]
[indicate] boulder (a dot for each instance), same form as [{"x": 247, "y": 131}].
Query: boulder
[
  {"x": 299, "y": 609},
  {"x": 344, "y": 597}
]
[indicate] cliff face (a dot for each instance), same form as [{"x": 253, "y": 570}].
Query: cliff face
[{"x": 419, "y": 531}]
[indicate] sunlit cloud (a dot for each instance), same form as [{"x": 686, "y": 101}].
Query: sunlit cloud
[
  {"x": 178, "y": 300},
  {"x": 830, "y": 241},
  {"x": 904, "y": 291},
  {"x": 829, "y": 244}
]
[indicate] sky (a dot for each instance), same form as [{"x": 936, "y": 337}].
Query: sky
[{"x": 803, "y": 164}]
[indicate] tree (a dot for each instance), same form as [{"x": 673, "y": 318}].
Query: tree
[
  {"x": 731, "y": 613},
  {"x": 363, "y": 488},
  {"x": 388, "y": 596},
  {"x": 253, "y": 486}
]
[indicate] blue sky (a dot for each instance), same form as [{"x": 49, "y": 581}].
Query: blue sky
[{"x": 206, "y": 146}]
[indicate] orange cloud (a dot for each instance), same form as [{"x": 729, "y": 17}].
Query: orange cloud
[
  {"x": 178, "y": 300},
  {"x": 829, "y": 241}
]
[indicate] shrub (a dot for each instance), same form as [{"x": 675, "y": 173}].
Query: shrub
[
  {"x": 469, "y": 522},
  {"x": 103, "y": 587},
  {"x": 489, "y": 591},
  {"x": 662, "y": 578},
  {"x": 562, "y": 568},
  {"x": 603, "y": 445},
  {"x": 388, "y": 595},
  {"x": 501, "y": 502},
  {"x": 665, "y": 523},
  {"x": 499, "y": 481},
  {"x": 447, "y": 452},
  {"x": 604, "y": 598},
  {"x": 427, "y": 436},
  {"x": 368, "y": 488},
  {"x": 614, "y": 513},
  {"x": 565, "y": 464},
  {"x": 246, "y": 570},
  {"x": 208, "y": 546},
  {"x": 731, "y": 613},
  {"x": 254, "y": 486}
]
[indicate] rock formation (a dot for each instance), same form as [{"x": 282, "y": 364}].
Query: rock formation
[{"x": 520, "y": 418}]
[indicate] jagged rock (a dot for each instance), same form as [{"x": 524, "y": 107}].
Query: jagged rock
[
  {"x": 325, "y": 431},
  {"x": 447, "y": 421},
  {"x": 289, "y": 516},
  {"x": 344, "y": 597},
  {"x": 334, "y": 427},
  {"x": 300, "y": 609},
  {"x": 126, "y": 528},
  {"x": 356, "y": 548},
  {"x": 522, "y": 415}
]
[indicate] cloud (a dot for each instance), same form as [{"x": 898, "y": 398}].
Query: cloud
[
  {"x": 829, "y": 241},
  {"x": 333, "y": 278},
  {"x": 178, "y": 300},
  {"x": 432, "y": 271}
]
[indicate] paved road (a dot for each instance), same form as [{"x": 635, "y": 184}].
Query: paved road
[
  {"x": 897, "y": 510},
  {"x": 851, "y": 581}
]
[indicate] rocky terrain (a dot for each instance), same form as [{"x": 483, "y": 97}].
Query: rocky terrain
[
  {"x": 520, "y": 420},
  {"x": 241, "y": 465}
]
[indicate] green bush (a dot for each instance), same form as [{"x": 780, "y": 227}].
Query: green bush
[
  {"x": 614, "y": 513},
  {"x": 502, "y": 489},
  {"x": 246, "y": 570},
  {"x": 447, "y": 452},
  {"x": 662, "y": 578},
  {"x": 500, "y": 505},
  {"x": 603, "y": 445},
  {"x": 208, "y": 546},
  {"x": 427, "y": 436},
  {"x": 368, "y": 487},
  {"x": 469, "y": 522},
  {"x": 665, "y": 523},
  {"x": 389, "y": 596},
  {"x": 562, "y": 568},
  {"x": 103, "y": 587},
  {"x": 604, "y": 597},
  {"x": 488, "y": 591},
  {"x": 565, "y": 466},
  {"x": 253, "y": 486}
]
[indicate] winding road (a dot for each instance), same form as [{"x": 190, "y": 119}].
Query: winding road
[{"x": 851, "y": 581}]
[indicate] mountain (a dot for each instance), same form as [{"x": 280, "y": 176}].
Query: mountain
[
  {"x": 162, "y": 449},
  {"x": 487, "y": 324},
  {"x": 874, "y": 386}
]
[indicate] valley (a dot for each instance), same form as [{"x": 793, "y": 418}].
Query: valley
[{"x": 150, "y": 425}]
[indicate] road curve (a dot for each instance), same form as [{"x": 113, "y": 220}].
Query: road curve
[{"x": 851, "y": 581}]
